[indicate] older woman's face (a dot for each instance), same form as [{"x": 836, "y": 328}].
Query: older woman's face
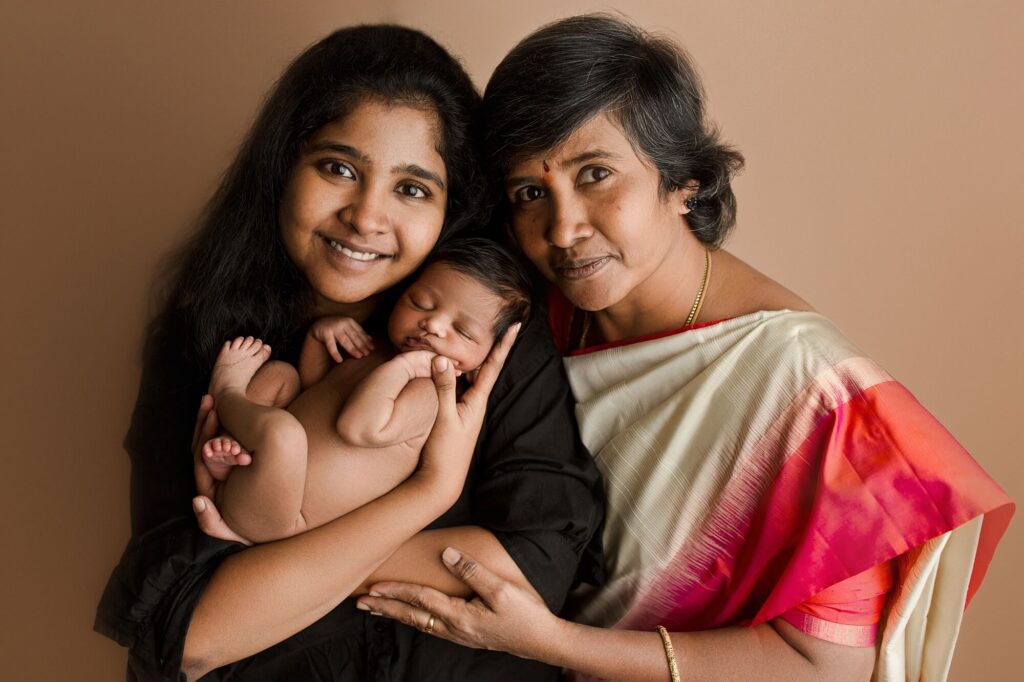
[
  {"x": 365, "y": 201},
  {"x": 589, "y": 215}
]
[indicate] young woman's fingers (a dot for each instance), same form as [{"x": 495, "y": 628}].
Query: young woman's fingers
[
  {"x": 212, "y": 523},
  {"x": 205, "y": 409},
  {"x": 488, "y": 372},
  {"x": 444, "y": 381}
]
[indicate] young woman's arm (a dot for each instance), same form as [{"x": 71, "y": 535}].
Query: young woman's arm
[
  {"x": 261, "y": 596},
  {"x": 503, "y": 617}
]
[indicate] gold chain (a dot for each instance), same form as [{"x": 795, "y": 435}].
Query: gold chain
[{"x": 699, "y": 301}]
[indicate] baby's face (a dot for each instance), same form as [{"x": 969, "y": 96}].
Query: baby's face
[{"x": 448, "y": 313}]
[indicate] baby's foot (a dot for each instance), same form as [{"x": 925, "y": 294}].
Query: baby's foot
[
  {"x": 237, "y": 361},
  {"x": 221, "y": 454}
]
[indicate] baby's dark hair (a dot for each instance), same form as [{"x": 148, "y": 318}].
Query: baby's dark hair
[{"x": 493, "y": 266}]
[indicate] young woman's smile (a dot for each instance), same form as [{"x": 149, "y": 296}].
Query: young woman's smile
[{"x": 365, "y": 202}]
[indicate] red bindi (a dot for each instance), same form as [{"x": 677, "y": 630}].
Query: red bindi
[{"x": 547, "y": 168}]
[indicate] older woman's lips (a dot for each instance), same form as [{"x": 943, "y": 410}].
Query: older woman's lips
[{"x": 581, "y": 269}]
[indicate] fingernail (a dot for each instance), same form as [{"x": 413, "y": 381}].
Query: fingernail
[
  {"x": 361, "y": 606},
  {"x": 375, "y": 593},
  {"x": 450, "y": 556},
  {"x": 199, "y": 504},
  {"x": 442, "y": 363}
]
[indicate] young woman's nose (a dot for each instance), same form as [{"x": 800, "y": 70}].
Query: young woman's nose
[
  {"x": 567, "y": 225},
  {"x": 366, "y": 211}
]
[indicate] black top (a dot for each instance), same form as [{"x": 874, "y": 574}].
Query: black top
[{"x": 531, "y": 483}]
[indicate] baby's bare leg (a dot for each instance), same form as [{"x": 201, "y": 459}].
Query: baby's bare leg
[
  {"x": 275, "y": 385},
  {"x": 263, "y": 500}
]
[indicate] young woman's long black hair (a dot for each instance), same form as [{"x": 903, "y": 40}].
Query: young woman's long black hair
[{"x": 234, "y": 277}]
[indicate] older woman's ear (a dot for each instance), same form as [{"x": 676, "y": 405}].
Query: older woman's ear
[{"x": 687, "y": 195}]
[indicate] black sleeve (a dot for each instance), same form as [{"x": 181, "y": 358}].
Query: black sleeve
[
  {"x": 535, "y": 487},
  {"x": 149, "y": 598}
]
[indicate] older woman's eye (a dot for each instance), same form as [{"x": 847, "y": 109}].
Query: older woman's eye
[
  {"x": 529, "y": 193},
  {"x": 593, "y": 174},
  {"x": 413, "y": 190},
  {"x": 342, "y": 170}
]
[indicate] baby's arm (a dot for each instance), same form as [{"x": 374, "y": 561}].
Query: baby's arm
[
  {"x": 396, "y": 403},
  {"x": 320, "y": 351}
]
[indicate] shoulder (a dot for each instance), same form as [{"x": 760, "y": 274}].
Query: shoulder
[{"x": 738, "y": 289}]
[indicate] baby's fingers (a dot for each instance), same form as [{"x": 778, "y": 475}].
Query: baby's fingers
[{"x": 331, "y": 344}]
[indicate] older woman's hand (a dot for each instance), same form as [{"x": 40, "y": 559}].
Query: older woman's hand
[
  {"x": 209, "y": 519},
  {"x": 501, "y": 617}
]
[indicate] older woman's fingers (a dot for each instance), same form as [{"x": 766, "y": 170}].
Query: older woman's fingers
[
  {"x": 212, "y": 523},
  {"x": 487, "y": 374},
  {"x": 416, "y": 596},
  {"x": 487, "y": 585},
  {"x": 424, "y": 621},
  {"x": 406, "y": 606}
]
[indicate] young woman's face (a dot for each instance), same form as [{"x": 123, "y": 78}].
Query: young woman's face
[
  {"x": 448, "y": 313},
  {"x": 365, "y": 201},
  {"x": 590, "y": 216}
]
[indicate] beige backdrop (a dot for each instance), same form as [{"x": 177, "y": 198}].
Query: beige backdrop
[{"x": 884, "y": 148}]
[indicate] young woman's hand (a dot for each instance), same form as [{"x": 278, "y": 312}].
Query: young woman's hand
[
  {"x": 501, "y": 617},
  {"x": 444, "y": 460}
]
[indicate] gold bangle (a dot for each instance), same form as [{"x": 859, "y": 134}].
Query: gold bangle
[{"x": 670, "y": 654}]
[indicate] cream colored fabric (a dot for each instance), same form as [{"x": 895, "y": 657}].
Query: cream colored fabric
[{"x": 690, "y": 429}]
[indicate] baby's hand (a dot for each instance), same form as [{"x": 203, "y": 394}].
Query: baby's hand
[
  {"x": 332, "y": 331},
  {"x": 417, "y": 362}
]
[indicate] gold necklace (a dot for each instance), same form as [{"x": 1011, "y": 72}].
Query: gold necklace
[{"x": 699, "y": 301}]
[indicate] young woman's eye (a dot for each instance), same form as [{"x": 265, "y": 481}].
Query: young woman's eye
[
  {"x": 413, "y": 190},
  {"x": 593, "y": 174},
  {"x": 529, "y": 193},
  {"x": 337, "y": 168}
]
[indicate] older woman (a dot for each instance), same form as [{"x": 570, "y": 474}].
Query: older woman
[
  {"x": 364, "y": 147},
  {"x": 779, "y": 506}
]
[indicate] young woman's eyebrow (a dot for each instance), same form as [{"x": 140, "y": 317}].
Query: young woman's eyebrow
[
  {"x": 419, "y": 172},
  {"x": 339, "y": 147}
]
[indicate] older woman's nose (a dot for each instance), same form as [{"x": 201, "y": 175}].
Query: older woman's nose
[{"x": 568, "y": 224}]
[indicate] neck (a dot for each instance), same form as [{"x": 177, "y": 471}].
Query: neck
[
  {"x": 358, "y": 311},
  {"x": 662, "y": 301}
]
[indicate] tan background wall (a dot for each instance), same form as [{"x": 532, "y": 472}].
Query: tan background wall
[{"x": 884, "y": 146}]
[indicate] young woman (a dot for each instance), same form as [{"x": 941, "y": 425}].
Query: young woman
[
  {"x": 360, "y": 161},
  {"x": 778, "y": 506}
]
